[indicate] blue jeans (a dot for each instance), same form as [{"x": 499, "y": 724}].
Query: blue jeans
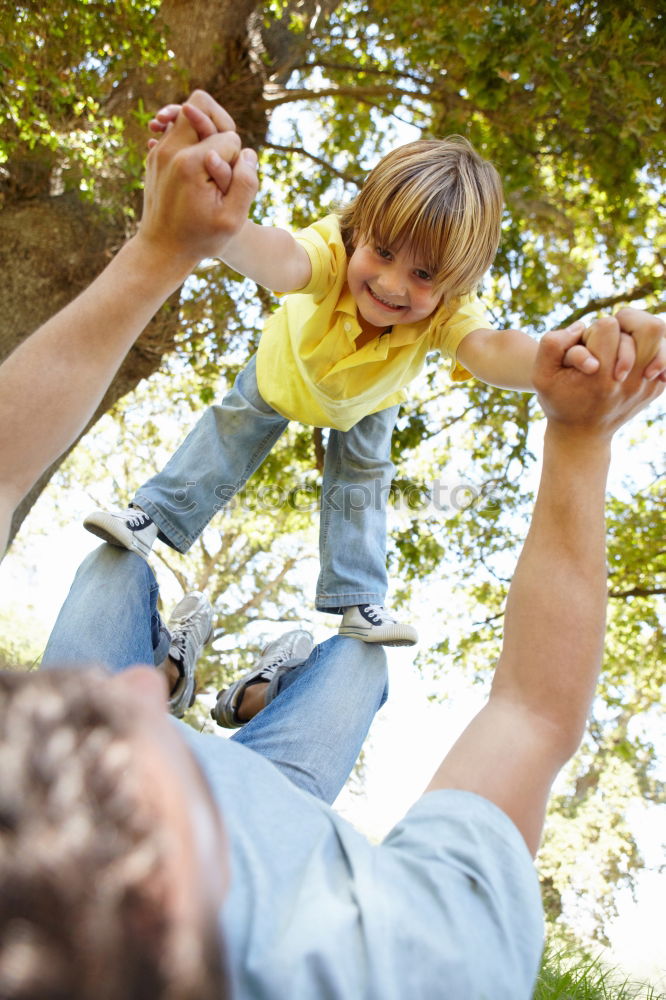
[
  {"x": 318, "y": 714},
  {"x": 230, "y": 442}
]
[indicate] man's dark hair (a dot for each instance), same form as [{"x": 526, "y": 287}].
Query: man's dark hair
[{"x": 82, "y": 888}]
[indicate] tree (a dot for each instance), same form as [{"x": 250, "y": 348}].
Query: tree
[{"x": 567, "y": 100}]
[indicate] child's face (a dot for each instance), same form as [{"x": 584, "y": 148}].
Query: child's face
[{"x": 390, "y": 286}]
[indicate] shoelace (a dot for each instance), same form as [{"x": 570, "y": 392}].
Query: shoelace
[
  {"x": 378, "y": 614},
  {"x": 178, "y": 645},
  {"x": 139, "y": 520},
  {"x": 270, "y": 668}
]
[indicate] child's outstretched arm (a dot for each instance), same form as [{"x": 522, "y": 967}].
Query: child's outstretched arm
[
  {"x": 265, "y": 254},
  {"x": 505, "y": 358},
  {"x": 270, "y": 256}
]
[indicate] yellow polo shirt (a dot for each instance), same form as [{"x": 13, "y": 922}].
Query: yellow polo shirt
[{"x": 308, "y": 368}]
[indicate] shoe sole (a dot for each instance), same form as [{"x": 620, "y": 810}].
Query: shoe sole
[
  {"x": 389, "y": 635},
  {"x": 195, "y": 688},
  {"x": 110, "y": 530},
  {"x": 222, "y": 711}
]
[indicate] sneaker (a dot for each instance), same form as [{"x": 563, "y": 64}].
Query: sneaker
[
  {"x": 191, "y": 627},
  {"x": 285, "y": 653},
  {"x": 131, "y": 529},
  {"x": 373, "y": 623}
]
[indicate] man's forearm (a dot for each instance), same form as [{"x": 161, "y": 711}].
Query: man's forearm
[
  {"x": 555, "y": 614},
  {"x": 52, "y": 383}
]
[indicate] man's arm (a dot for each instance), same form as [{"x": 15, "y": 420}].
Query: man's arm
[
  {"x": 52, "y": 383},
  {"x": 555, "y": 613}
]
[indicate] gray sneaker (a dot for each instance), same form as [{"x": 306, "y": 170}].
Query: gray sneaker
[
  {"x": 373, "y": 623},
  {"x": 283, "y": 654},
  {"x": 130, "y": 528},
  {"x": 191, "y": 627}
]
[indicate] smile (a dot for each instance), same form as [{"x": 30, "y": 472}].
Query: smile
[{"x": 384, "y": 302}]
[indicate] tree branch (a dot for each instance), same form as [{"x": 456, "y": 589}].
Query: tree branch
[
  {"x": 319, "y": 449},
  {"x": 358, "y": 93},
  {"x": 370, "y": 70},
  {"x": 637, "y": 592},
  {"x": 639, "y": 292},
  {"x": 269, "y": 587},
  {"x": 300, "y": 151}
]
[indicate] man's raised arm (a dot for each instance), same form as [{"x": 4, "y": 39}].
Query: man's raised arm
[
  {"x": 555, "y": 614},
  {"x": 197, "y": 195}
]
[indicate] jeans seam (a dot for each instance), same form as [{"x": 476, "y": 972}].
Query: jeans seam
[{"x": 325, "y": 516}]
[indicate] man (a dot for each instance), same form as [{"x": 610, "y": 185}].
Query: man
[
  {"x": 121, "y": 849},
  {"x": 447, "y": 906}
]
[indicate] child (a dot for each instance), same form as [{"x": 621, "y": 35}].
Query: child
[{"x": 369, "y": 293}]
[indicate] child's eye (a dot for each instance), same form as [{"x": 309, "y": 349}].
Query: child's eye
[
  {"x": 381, "y": 252},
  {"x": 422, "y": 275}
]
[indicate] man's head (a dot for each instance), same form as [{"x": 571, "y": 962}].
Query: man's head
[
  {"x": 112, "y": 858},
  {"x": 439, "y": 199}
]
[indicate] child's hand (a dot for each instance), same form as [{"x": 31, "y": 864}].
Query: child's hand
[
  {"x": 199, "y": 183},
  {"x": 163, "y": 120},
  {"x": 206, "y": 120}
]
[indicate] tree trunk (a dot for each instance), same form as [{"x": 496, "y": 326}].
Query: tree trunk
[{"x": 52, "y": 246}]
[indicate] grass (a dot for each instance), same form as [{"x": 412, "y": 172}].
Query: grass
[{"x": 588, "y": 979}]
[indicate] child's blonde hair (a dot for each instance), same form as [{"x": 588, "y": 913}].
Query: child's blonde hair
[{"x": 439, "y": 198}]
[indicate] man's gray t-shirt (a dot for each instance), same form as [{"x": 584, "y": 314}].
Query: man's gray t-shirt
[{"x": 447, "y": 906}]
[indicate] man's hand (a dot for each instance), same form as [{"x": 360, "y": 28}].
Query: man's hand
[
  {"x": 199, "y": 184},
  {"x": 653, "y": 349},
  {"x": 599, "y": 404}
]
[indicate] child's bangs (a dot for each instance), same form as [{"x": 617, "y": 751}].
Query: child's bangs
[{"x": 421, "y": 236}]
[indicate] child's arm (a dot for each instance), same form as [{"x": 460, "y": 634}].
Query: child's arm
[
  {"x": 270, "y": 256},
  {"x": 505, "y": 358},
  {"x": 265, "y": 254}
]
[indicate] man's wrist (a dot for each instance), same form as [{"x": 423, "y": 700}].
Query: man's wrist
[
  {"x": 166, "y": 267},
  {"x": 576, "y": 440}
]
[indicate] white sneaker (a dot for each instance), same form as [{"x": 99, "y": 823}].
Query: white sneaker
[
  {"x": 285, "y": 653},
  {"x": 191, "y": 627},
  {"x": 373, "y": 623},
  {"x": 130, "y": 529}
]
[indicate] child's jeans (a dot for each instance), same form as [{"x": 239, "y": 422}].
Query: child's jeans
[
  {"x": 230, "y": 442},
  {"x": 317, "y": 716}
]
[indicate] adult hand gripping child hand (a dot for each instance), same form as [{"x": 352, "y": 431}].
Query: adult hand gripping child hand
[
  {"x": 200, "y": 182},
  {"x": 597, "y": 408}
]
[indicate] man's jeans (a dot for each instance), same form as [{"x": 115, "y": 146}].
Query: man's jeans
[
  {"x": 230, "y": 442},
  {"x": 318, "y": 714}
]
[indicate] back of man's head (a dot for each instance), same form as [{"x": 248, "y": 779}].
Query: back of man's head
[{"x": 83, "y": 911}]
